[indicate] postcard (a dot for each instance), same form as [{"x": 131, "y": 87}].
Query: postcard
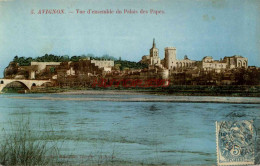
[{"x": 129, "y": 82}]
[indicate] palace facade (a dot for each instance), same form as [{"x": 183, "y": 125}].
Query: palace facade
[{"x": 171, "y": 63}]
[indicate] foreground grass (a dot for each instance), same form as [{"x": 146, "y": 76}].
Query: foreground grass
[
  {"x": 24, "y": 144},
  {"x": 21, "y": 146}
]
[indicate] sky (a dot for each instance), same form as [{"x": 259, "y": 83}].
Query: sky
[{"x": 197, "y": 28}]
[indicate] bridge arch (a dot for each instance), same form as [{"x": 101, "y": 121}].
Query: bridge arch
[
  {"x": 27, "y": 84},
  {"x": 47, "y": 82},
  {"x": 22, "y": 83}
]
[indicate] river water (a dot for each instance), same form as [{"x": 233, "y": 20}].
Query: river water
[{"x": 127, "y": 132}]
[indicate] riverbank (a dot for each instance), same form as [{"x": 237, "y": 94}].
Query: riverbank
[
  {"x": 177, "y": 90},
  {"x": 113, "y": 96}
]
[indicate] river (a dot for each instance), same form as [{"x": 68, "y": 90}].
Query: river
[{"x": 173, "y": 133}]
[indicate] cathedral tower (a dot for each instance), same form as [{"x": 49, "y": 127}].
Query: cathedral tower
[
  {"x": 154, "y": 51},
  {"x": 154, "y": 55}
]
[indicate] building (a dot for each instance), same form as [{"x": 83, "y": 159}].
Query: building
[
  {"x": 209, "y": 64},
  {"x": 106, "y": 65},
  {"x": 233, "y": 62},
  {"x": 185, "y": 63},
  {"x": 40, "y": 67},
  {"x": 172, "y": 63},
  {"x": 170, "y": 58},
  {"x": 155, "y": 68},
  {"x": 236, "y": 61},
  {"x": 153, "y": 58},
  {"x": 154, "y": 55}
]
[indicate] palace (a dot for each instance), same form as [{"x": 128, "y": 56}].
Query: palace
[{"x": 171, "y": 63}]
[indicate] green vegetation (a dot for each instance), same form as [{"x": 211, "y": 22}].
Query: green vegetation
[
  {"x": 130, "y": 65},
  {"x": 123, "y": 64},
  {"x": 20, "y": 145},
  {"x": 24, "y": 143},
  {"x": 13, "y": 90},
  {"x": 26, "y": 61}
]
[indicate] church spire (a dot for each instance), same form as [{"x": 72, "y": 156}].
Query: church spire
[{"x": 154, "y": 43}]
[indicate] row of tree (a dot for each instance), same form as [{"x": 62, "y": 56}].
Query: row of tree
[
  {"x": 26, "y": 61},
  {"x": 122, "y": 64},
  {"x": 130, "y": 65}
]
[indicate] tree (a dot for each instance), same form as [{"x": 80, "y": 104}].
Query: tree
[
  {"x": 75, "y": 58},
  {"x": 16, "y": 59}
]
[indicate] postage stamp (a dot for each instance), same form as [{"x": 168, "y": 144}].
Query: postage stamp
[{"x": 235, "y": 142}]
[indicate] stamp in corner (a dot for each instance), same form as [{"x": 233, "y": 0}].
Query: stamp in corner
[{"x": 235, "y": 142}]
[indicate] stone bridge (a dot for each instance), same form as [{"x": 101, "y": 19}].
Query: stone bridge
[{"x": 28, "y": 83}]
